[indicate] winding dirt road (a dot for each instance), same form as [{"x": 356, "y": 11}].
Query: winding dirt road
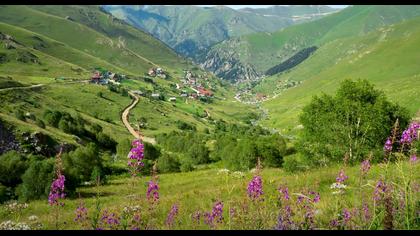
[{"x": 127, "y": 124}]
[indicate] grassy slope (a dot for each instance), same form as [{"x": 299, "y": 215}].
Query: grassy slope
[
  {"x": 266, "y": 50},
  {"x": 199, "y": 190},
  {"x": 387, "y": 57},
  {"x": 63, "y": 53}
]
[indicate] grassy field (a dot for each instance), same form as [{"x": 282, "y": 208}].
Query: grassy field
[{"x": 199, "y": 190}]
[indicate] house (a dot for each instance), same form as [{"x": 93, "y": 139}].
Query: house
[
  {"x": 152, "y": 72},
  {"x": 95, "y": 77},
  {"x": 162, "y": 75},
  {"x": 172, "y": 99},
  {"x": 138, "y": 92},
  {"x": 194, "y": 96},
  {"x": 204, "y": 92},
  {"x": 113, "y": 82},
  {"x": 261, "y": 96}
]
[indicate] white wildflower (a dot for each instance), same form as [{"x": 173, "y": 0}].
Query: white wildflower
[
  {"x": 33, "y": 218},
  {"x": 223, "y": 171},
  {"x": 238, "y": 174}
]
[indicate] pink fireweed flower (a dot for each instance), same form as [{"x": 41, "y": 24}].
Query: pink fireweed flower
[
  {"x": 380, "y": 190},
  {"x": 153, "y": 191},
  {"x": 388, "y": 145},
  {"x": 110, "y": 220},
  {"x": 285, "y": 192},
  {"x": 135, "y": 157},
  {"x": 341, "y": 177},
  {"x": 171, "y": 215},
  {"x": 57, "y": 191},
  {"x": 411, "y": 133},
  {"x": 255, "y": 188},
  {"x": 365, "y": 167},
  {"x": 81, "y": 213},
  {"x": 216, "y": 215},
  {"x": 413, "y": 159}
]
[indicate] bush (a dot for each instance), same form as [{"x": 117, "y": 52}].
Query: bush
[
  {"x": 186, "y": 164},
  {"x": 294, "y": 163},
  {"x": 80, "y": 163},
  {"x": 52, "y": 117},
  {"x": 105, "y": 141},
  {"x": 4, "y": 193},
  {"x": 12, "y": 166},
  {"x": 36, "y": 181},
  {"x": 123, "y": 148},
  {"x": 168, "y": 163},
  {"x": 357, "y": 120}
]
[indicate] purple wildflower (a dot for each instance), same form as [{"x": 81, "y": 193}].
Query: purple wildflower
[
  {"x": 316, "y": 196},
  {"x": 110, "y": 219},
  {"x": 334, "y": 223},
  {"x": 171, "y": 215},
  {"x": 388, "y": 145},
  {"x": 57, "y": 190},
  {"x": 81, "y": 213},
  {"x": 366, "y": 211},
  {"x": 411, "y": 133},
  {"x": 136, "y": 157},
  {"x": 341, "y": 177},
  {"x": 380, "y": 189},
  {"x": 413, "y": 159},
  {"x": 255, "y": 188},
  {"x": 152, "y": 191},
  {"x": 346, "y": 215},
  {"x": 365, "y": 167},
  {"x": 285, "y": 192},
  {"x": 284, "y": 221},
  {"x": 216, "y": 214},
  {"x": 196, "y": 217}
]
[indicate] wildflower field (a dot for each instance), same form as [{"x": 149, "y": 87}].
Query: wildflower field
[{"x": 336, "y": 197}]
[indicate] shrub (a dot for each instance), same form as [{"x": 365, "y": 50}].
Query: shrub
[
  {"x": 355, "y": 121},
  {"x": 105, "y": 141},
  {"x": 186, "y": 164},
  {"x": 168, "y": 163},
  {"x": 293, "y": 163},
  {"x": 12, "y": 166},
  {"x": 123, "y": 148},
  {"x": 4, "y": 195},
  {"x": 52, "y": 117},
  {"x": 80, "y": 163},
  {"x": 37, "y": 180}
]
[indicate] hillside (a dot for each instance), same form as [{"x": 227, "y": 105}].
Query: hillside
[
  {"x": 387, "y": 57},
  {"x": 261, "y": 51},
  {"x": 191, "y": 30},
  {"x": 59, "y": 58}
]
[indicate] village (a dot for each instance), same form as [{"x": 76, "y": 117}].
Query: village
[{"x": 191, "y": 86}]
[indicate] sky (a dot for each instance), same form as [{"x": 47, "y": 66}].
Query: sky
[{"x": 263, "y": 6}]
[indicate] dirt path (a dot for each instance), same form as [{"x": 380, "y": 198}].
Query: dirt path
[
  {"x": 23, "y": 87},
  {"x": 127, "y": 124}
]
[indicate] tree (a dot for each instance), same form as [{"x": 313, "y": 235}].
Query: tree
[
  {"x": 12, "y": 166},
  {"x": 355, "y": 121},
  {"x": 37, "y": 180}
]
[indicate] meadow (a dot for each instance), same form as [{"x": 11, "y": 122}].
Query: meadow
[{"x": 198, "y": 191}]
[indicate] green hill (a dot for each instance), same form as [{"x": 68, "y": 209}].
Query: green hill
[
  {"x": 59, "y": 55},
  {"x": 191, "y": 30},
  {"x": 387, "y": 57},
  {"x": 262, "y": 51}
]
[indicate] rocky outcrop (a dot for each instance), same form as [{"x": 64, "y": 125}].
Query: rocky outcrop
[{"x": 8, "y": 140}]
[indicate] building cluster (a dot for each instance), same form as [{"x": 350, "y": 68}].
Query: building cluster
[
  {"x": 104, "y": 77},
  {"x": 153, "y": 72}
]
